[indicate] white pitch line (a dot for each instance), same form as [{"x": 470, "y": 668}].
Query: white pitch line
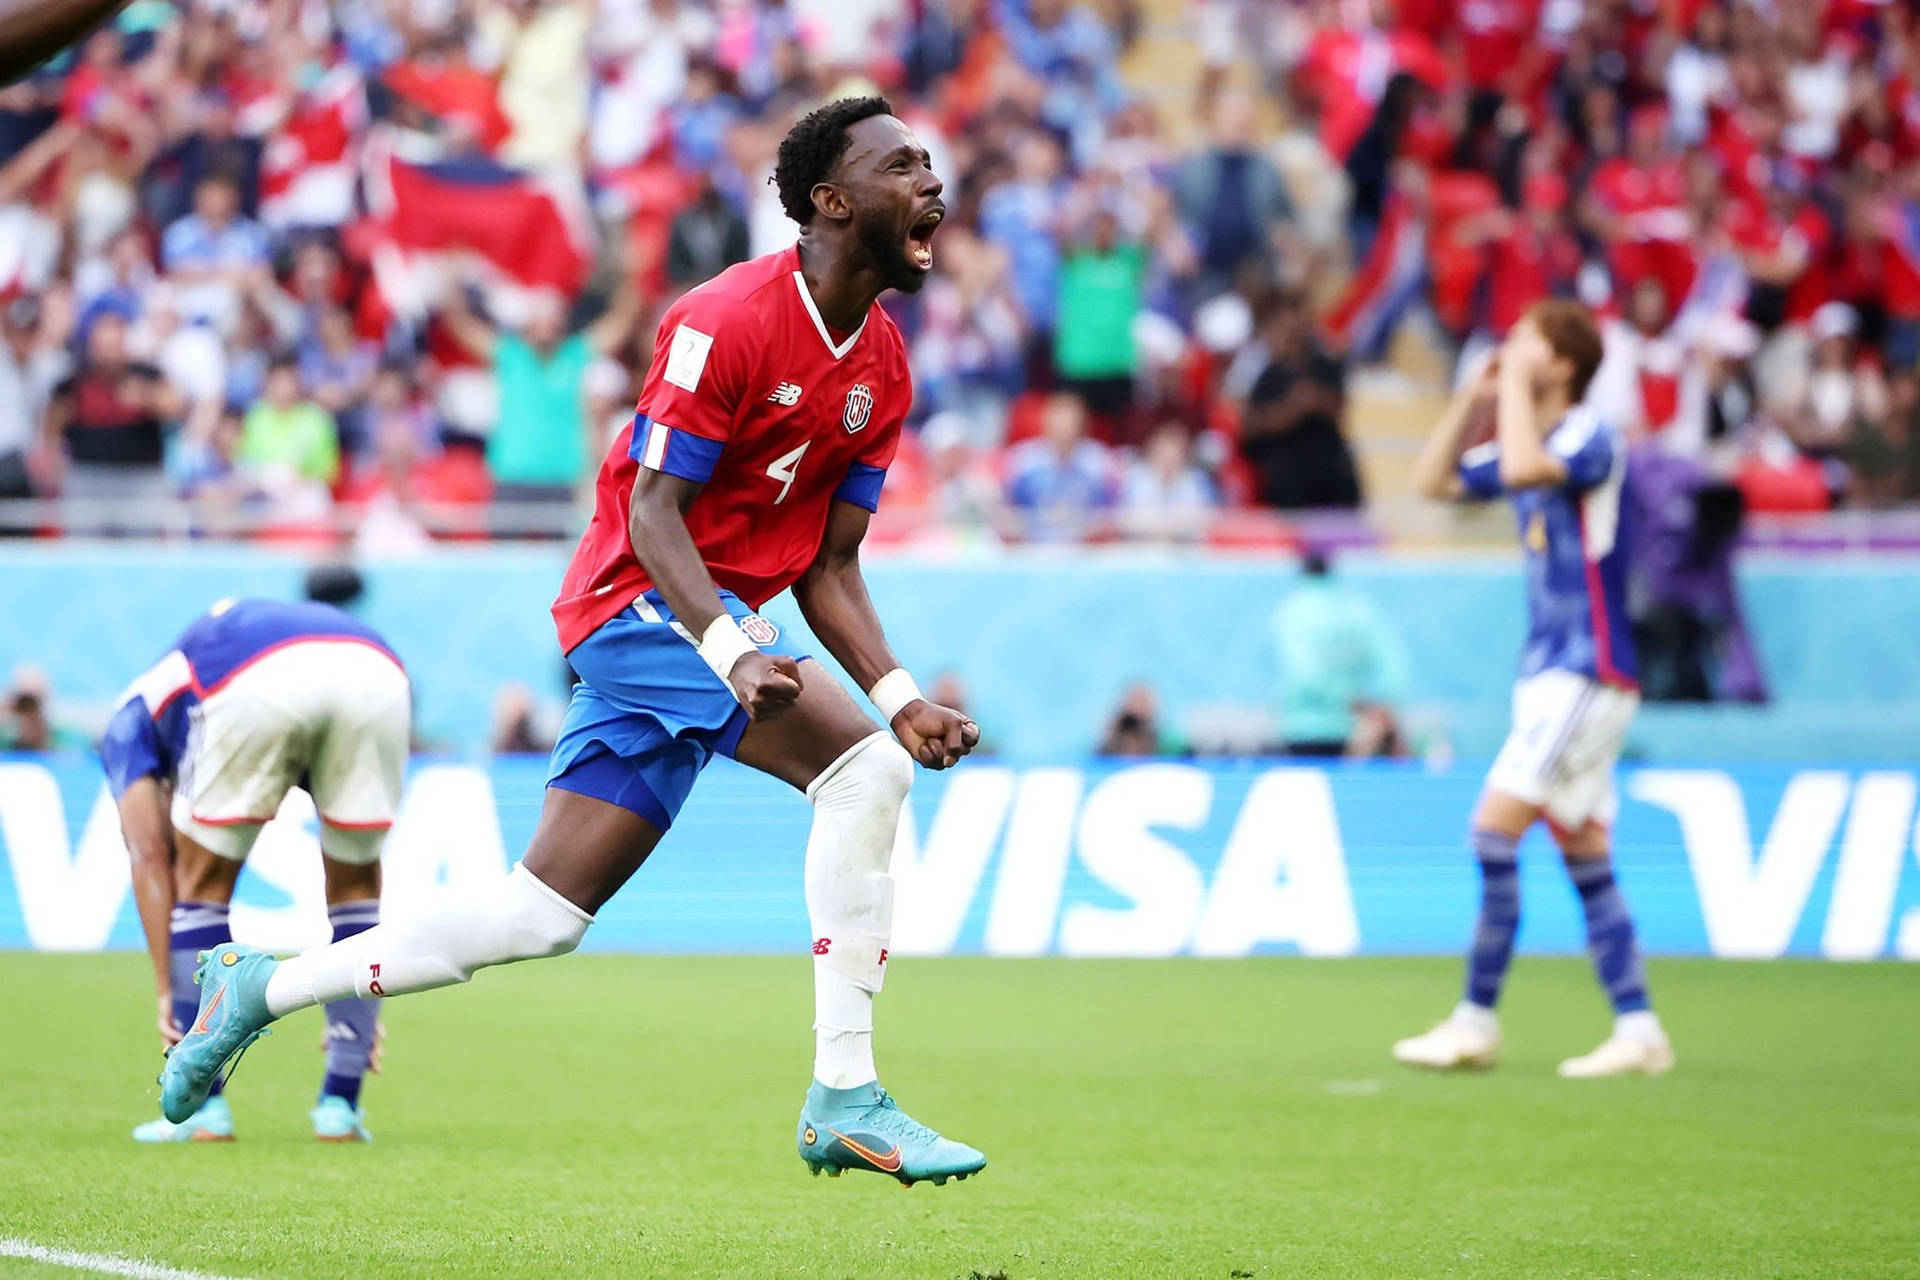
[{"x": 103, "y": 1263}]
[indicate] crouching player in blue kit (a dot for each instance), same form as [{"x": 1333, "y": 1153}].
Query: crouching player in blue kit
[
  {"x": 1561, "y": 468},
  {"x": 258, "y": 697}
]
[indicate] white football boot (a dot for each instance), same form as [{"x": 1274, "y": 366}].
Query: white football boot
[
  {"x": 1469, "y": 1037},
  {"x": 1638, "y": 1045}
]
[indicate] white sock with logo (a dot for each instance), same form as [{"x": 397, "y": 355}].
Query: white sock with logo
[
  {"x": 515, "y": 918},
  {"x": 856, "y": 813}
]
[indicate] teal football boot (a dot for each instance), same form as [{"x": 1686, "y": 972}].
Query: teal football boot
[
  {"x": 337, "y": 1120},
  {"x": 233, "y": 1014},
  {"x": 213, "y": 1122},
  {"x": 863, "y": 1128}
]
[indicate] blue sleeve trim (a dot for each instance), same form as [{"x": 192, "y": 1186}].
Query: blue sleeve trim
[
  {"x": 659, "y": 447},
  {"x": 130, "y": 749},
  {"x": 862, "y": 485},
  {"x": 1479, "y": 472},
  {"x": 1591, "y": 463}
]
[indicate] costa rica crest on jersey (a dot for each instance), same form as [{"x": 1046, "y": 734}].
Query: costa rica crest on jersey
[
  {"x": 859, "y": 407},
  {"x": 759, "y": 630}
]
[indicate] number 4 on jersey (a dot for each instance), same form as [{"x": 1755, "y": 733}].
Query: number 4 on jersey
[{"x": 784, "y": 468}]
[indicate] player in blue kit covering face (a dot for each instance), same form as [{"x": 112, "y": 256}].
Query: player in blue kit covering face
[
  {"x": 255, "y": 698},
  {"x": 1561, "y": 469},
  {"x": 765, "y": 426}
]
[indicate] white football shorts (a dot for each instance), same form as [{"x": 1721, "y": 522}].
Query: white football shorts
[
  {"x": 1566, "y": 738},
  {"x": 332, "y": 716}
]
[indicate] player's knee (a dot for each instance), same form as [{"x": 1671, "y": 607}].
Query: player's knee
[
  {"x": 892, "y": 770},
  {"x": 875, "y": 772},
  {"x": 537, "y": 922}
]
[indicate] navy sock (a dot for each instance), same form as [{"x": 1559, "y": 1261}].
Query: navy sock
[
  {"x": 352, "y": 1023},
  {"x": 194, "y": 927},
  {"x": 1610, "y": 938},
  {"x": 1499, "y": 916}
]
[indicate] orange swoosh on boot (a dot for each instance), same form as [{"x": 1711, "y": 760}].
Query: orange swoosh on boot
[
  {"x": 888, "y": 1163},
  {"x": 201, "y": 1026}
]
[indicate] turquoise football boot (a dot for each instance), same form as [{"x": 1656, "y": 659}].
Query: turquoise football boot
[
  {"x": 233, "y": 1014},
  {"x": 863, "y": 1128},
  {"x": 213, "y": 1122},
  {"x": 337, "y": 1120}
]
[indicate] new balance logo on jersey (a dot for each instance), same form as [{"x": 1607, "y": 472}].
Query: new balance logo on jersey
[{"x": 787, "y": 393}]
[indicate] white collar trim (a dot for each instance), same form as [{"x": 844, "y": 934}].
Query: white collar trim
[{"x": 820, "y": 326}]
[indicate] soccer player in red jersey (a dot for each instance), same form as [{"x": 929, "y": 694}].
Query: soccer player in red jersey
[{"x": 764, "y": 430}]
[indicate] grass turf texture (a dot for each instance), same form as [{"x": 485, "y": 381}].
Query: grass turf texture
[{"x": 634, "y": 1116}]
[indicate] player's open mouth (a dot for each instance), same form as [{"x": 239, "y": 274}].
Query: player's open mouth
[{"x": 920, "y": 237}]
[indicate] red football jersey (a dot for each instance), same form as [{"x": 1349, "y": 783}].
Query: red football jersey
[{"x": 752, "y": 394}]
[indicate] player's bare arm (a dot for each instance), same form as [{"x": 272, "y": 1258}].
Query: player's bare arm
[
  {"x": 1434, "y": 473},
  {"x": 149, "y": 836},
  {"x": 833, "y": 598},
  {"x": 31, "y": 31},
  {"x": 765, "y": 684},
  {"x": 1526, "y": 375}
]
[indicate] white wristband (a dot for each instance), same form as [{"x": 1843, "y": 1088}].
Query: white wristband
[
  {"x": 723, "y": 645},
  {"x": 893, "y": 691}
]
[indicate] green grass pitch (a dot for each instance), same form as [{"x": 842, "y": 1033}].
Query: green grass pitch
[{"x": 633, "y": 1116}]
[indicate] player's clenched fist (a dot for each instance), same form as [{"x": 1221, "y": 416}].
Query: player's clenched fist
[
  {"x": 765, "y": 683},
  {"x": 934, "y": 735}
]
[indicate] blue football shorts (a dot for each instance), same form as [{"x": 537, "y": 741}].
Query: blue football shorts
[{"x": 648, "y": 713}]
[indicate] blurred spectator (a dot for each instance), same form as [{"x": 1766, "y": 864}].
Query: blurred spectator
[
  {"x": 962, "y": 495},
  {"x": 541, "y": 441},
  {"x": 543, "y": 78},
  {"x": 1343, "y": 668},
  {"x": 967, "y": 353},
  {"x": 120, "y": 279},
  {"x": 1292, "y": 434},
  {"x": 440, "y": 91},
  {"x": 1370, "y": 163},
  {"x": 702, "y": 116},
  {"x": 708, "y": 236},
  {"x": 1884, "y": 451},
  {"x": 1165, "y": 497},
  {"x": 395, "y": 407},
  {"x": 213, "y": 254},
  {"x": 33, "y": 361},
  {"x": 207, "y": 470},
  {"x": 1231, "y": 197},
  {"x": 28, "y": 723},
  {"x": 107, "y": 423},
  {"x": 1100, "y": 285},
  {"x": 516, "y": 727},
  {"x": 288, "y": 438},
  {"x": 1688, "y": 628},
  {"x": 1061, "y": 485},
  {"x": 337, "y": 372},
  {"x": 1136, "y": 730},
  {"x": 209, "y": 147},
  {"x": 1020, "y": 216}
]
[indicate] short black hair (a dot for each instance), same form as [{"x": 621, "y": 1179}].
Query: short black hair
[
  {"x": 339, "y": 585},
  {"x": 813, "y": 146}
]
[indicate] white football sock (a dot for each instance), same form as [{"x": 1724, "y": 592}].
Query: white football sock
[
  {"x": 515, "y": 918},
  {"x": 856, "y": 813},
  {"x": 1475, "y": 1018},
  {"x": 1642, "y": 1026}
]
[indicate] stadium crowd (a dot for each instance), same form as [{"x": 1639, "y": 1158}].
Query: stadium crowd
[{"x": 229, "y": 297}]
